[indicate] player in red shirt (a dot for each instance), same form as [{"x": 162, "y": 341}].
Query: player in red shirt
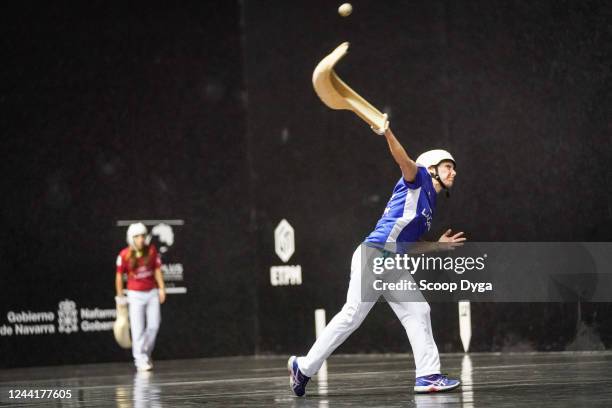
[{"x": 145, "y": 292}]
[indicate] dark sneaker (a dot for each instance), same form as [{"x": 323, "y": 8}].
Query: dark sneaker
[
  {"x": 435, "y": 383},
  {"x": 297, "y": 380}
]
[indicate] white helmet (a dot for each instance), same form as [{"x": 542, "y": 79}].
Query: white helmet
[
  {"x": 133, "y": 230},
  {"x": 434, "y": 157}
]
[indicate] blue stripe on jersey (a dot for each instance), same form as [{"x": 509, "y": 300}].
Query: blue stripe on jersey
[{"x": 408, "y": 213}]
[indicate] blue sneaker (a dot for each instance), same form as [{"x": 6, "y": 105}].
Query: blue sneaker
[
  {"x": 435, "y": 383},
  {"x": 297, "y": 380}
]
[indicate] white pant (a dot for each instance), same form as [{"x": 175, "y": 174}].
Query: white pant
[
  {"x": 414, "y": 316},
  {"x": 144, "y": 323}
]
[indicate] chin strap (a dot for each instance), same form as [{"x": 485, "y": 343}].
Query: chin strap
[{"x": 437, "y": 177}]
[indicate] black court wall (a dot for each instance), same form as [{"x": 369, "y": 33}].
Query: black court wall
[
  {"x": 113, "y": 112},
  {"x": 201, "y": 116}
]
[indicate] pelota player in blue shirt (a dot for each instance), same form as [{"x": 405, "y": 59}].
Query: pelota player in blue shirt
[{"x": 405, "y": 219}]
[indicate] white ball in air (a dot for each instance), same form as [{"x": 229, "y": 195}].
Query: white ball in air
[{"x": 345, "y": 9}]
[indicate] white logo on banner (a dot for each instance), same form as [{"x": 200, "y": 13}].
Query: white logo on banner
[
  {"x": 284, "y": 240},
  {"x": 67, "y": 317},
  {"x": 165, "y": 235},
  {"x": 286, "y": 275},
  {"x": 284, "y": 246},
  {"x": 29, "y": 323}
]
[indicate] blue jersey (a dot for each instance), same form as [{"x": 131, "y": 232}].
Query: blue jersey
[{"x": 408, "y": 213}]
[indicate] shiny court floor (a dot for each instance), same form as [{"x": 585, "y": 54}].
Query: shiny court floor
[{"x": 490, "y": 380}]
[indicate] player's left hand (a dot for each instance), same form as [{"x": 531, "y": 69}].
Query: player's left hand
[
  {"x": 449, "y": 237},
  {"x": 384, "y": 128},
  {"x": 162, "y": 296}
]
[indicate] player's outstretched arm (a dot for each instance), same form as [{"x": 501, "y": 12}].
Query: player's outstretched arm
[
  {"x": 407, "y": 165},
  {"x": 119, "y": 284},
  {"x": 159, "y": 278}
]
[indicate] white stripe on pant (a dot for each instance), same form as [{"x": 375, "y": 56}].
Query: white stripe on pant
[
  {"x": 414, "y": 316},
  {"x": 145, "y": 317}
]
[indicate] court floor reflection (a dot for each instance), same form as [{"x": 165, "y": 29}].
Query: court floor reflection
[{"x": 500, "y": 380}]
